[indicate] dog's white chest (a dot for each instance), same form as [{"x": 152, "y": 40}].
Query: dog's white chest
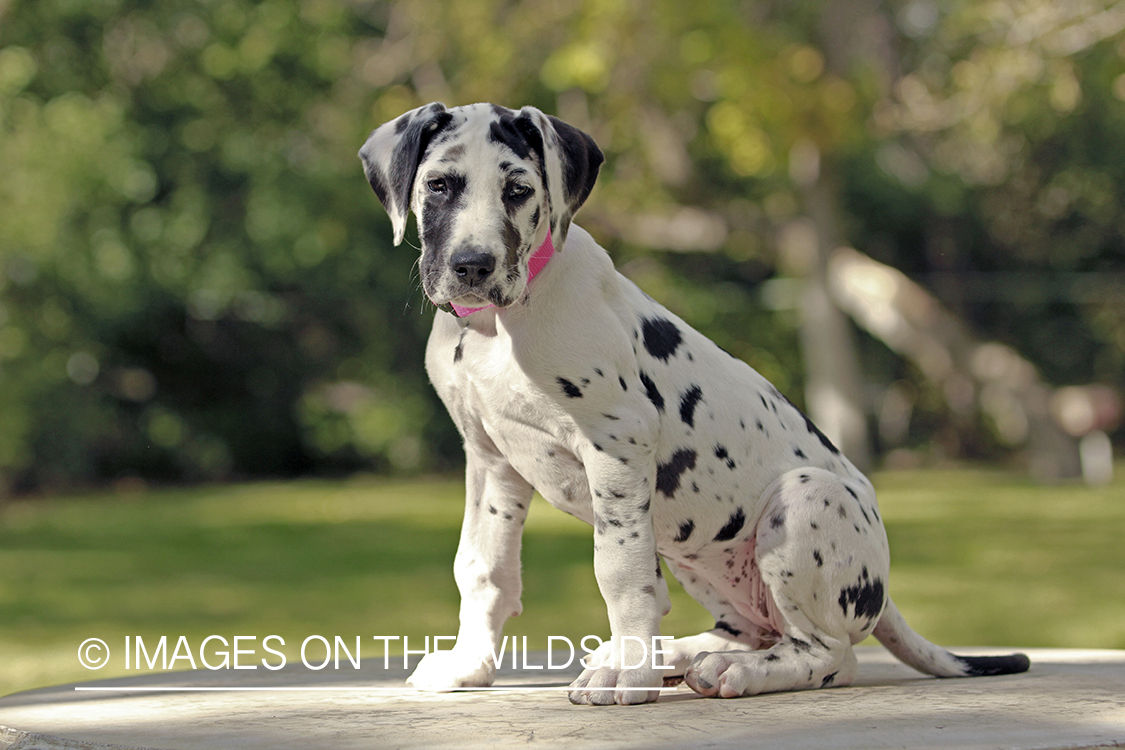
[{"x": 501, "y": 411}]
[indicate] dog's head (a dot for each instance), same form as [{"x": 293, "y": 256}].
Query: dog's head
[{"x": 487, "y": 184}]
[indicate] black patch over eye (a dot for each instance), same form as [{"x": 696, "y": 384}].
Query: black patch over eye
[{"x": 437, "y": 185}]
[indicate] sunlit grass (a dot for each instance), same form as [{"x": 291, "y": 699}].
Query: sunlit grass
[{"x": 979, "y": 558}]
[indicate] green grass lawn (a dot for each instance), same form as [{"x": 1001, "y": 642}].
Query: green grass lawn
[{"x": 979, "y": 558}]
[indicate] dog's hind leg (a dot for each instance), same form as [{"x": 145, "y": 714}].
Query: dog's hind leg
[
  {"x": 822, "y": 554},
  {"x": 732, "y": 631}
]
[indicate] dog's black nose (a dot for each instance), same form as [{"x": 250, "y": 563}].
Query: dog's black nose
[{"x": 472, "y": 266}]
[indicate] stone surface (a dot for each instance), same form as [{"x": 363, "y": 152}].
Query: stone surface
[{"x": 1069, "y": 699}]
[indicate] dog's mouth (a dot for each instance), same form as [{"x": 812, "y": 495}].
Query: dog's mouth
[
  {"x": 471, "y": 300},
  {"x": 468, "y": 302}
]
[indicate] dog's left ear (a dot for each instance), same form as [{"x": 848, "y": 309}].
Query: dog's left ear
[
  {"x": 391, "y": 156},
  {"x": 569, "y": 161}
]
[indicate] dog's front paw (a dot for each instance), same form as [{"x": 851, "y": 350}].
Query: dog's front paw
[
  {"x": 608, "y": 685},
  {"x": 446, "y": 670},
  {"x": 677, "y": 655}
]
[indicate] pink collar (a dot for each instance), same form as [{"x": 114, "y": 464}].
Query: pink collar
[{"x": 534, "y": 266}]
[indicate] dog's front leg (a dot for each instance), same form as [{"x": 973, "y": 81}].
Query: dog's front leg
[
  {"x": 487, "y": 572},
  {"x": 636, "y": 595}
]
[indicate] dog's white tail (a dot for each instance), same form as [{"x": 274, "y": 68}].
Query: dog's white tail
[{"x": 915, "y": 651}]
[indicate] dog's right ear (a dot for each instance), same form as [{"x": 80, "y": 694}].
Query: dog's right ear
[{"x": 391, "y": 155}]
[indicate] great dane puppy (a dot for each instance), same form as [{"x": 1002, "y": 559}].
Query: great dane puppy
[{"x": 563, "y": 377}]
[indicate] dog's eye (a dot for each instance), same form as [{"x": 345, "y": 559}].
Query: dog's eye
[
  {"x": 517, "y": 192},
  {"x": 436, "y": 185}
]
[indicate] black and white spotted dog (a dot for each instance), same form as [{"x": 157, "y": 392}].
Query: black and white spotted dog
[{"x": 577, "y": 384}]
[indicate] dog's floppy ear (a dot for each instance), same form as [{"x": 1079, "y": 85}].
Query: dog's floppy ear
[
  {"x": 569, "y": 160},
  {"x": 391, "y": 155}
]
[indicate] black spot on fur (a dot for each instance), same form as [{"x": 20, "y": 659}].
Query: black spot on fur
[
  {"x": 686, "y": 528},
  {"x": 512, "y": 240},
  {"x": 459, "y": 351},
  {"x": 777, "y": 520},
  {"x": 727, "y": 628},
  {"x": 441, "y": 210},
  {"x": 821, "y": 436},
  {"x": 828, "y": 680},
  {"x": 503, "y": 131},
  {"x": 799, "y": 453},
  {"x": 650, "y": 391},
  {"x": 661, "y": 337},
  {"x": 722, "y": 455},
  {"x": 569, "y": 388},
  {"x": 819, "y": 558},
  {"x": 865, "y": 598},
  {"x": 771, "y": 657},
  {"x": 851, "y": 492},
  {"x": 402, "y": 124},
  {"x": 812, "y": 428},
  {"x": 734, "y": 525},
  {"x": 688, "y": 402},
  {"x": 621, "y": 380},
  {"x": 668, "y": 474}
]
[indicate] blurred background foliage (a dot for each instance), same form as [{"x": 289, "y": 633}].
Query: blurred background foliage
[{"x": 196, "y": 282}]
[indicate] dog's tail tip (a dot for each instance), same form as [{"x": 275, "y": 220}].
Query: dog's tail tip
[
  {"x": 988, "y": 666},
  {"x": 915, "y": 651}
]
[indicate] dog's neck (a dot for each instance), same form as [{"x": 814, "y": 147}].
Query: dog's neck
[{"x": 535, "y": 264}]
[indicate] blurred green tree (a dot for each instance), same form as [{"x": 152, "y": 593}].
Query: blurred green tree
[{"x": 196, "y": 283}]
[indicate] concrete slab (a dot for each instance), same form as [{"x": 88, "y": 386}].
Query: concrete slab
[{"x": 1069, "y": 699}]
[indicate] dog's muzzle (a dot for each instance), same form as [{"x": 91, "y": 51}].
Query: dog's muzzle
[{"x": 473, "y": 267}]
